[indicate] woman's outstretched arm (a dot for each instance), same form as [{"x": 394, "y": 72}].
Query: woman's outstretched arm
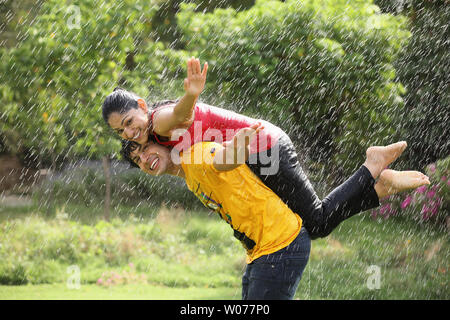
[{"x": 182, "y": 114}]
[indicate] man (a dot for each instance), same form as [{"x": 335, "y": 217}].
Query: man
[{"x": 276, "y": 241}]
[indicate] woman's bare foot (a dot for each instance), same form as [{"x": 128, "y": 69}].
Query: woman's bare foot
[
  {"x": 392, "y": 182},
  {"x": 379, "y": 157}
]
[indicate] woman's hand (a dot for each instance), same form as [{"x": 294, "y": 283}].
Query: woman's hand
[
  {"x": 196, "y": 78},
  {"x": 181, "y": 115}
]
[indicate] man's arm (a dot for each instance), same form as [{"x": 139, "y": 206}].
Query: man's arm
[
  {"x": 182, "y": 114},
  {"x": 236, "y": 151}
]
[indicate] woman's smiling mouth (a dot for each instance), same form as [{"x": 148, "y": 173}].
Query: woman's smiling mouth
[{"x": 137, "y": 135}]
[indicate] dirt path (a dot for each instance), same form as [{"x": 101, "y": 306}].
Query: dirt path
[
  {"x": 13, "y": 176},
  {"x": 15, "y": 200}
]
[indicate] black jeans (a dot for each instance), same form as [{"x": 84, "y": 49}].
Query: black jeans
[{"x": 290, "y": 183}]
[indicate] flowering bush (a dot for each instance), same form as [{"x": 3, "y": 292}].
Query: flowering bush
[
  {"x": 126, "y": 276},
  {"x": 429, "y": 203}
]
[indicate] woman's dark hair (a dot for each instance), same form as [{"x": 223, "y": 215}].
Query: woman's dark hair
[{"x": 121, "y": 101}]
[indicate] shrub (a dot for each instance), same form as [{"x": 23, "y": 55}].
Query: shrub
[
  {"x": 86, "y": 185},
  {"x": 426, "y": 204},
  {"x": 13, "y": 274},
  {"x": 424, "y": 71},
  {"x": 35, "y": 250},
  {"x": 323, "y": 70},
  {"x": 126, "y": 276},
  {"x": 54, "y": 80}
]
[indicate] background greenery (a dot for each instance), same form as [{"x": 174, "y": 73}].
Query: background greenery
[
  {"x": 177, "y": 254},
  {"x": 337, "y": 76}
]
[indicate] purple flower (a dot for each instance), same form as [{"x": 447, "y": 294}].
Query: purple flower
[
  {"x": 374, "y": 214},
  {"x": 425, "y": 211},
  {"x": 431, "y": 194},
  {"x": 436, "y": 205},
  {"x": 421, "y": 189},
  {"x": 432, "y": 167},
  {"x": 434, "y": 210},
  {"x": 386, "y": 210},
  {"x": 406, "y": 202}
]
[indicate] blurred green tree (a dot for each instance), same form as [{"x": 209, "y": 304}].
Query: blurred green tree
[
  {"x": 323, "y": 70},
  {"x": 424, "y": 69},
  {"x": 165, "y": 23},
  {"x": 55, "y": 78}
]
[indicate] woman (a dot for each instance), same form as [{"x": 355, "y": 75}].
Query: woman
[{"x": 272, "y": 154}]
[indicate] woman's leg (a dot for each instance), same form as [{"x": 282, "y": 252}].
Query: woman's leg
[
  {"x": 276, "y": 276},
  {"x": 290, "y": 183}
]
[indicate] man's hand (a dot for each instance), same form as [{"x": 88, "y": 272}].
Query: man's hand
[
  {"x": 237, "y": 150},
  {"x": 196, "y": 78},
  {"x": 240, "y": 143}
]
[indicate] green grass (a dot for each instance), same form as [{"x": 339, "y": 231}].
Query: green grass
[
  {"x": 413, "y": 262},
  {"x": 173, "y": 254},
  {"x": 123, "y": 292}
]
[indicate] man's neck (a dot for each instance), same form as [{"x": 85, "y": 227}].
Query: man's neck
[{"x": 176, "y": 170}]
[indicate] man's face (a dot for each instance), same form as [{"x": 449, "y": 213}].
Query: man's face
[{"x": 152, "y": 158}]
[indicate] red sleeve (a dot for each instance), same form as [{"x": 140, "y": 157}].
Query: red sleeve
[{"x": 164, "y": 143}]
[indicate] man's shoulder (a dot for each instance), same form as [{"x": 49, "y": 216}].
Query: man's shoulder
[
  {"x": 206, "y": 147},
  {"x": 200, "y": 153}
]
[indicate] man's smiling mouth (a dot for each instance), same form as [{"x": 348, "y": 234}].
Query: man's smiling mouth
[{"x": 154, "y": 164}]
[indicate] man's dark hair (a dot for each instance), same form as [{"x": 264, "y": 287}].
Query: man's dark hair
[{"x": 127, "y": 148}]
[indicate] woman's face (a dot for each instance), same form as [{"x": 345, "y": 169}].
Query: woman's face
[{"x": 131, "y": 125}]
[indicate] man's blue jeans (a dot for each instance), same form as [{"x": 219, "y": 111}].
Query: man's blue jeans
[{"x": 276, "y": 276}]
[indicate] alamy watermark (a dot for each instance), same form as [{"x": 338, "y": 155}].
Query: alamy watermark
[
  {"x": 74, "y": 17},
  {"x": 264, "y": 150},
  {"x": 73, "y": 281},
  {"x": 374, "y": 279}
]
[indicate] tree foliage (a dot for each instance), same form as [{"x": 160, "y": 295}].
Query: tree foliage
[
  {"x": 424, "y": 69},
  {"x": 332, "y": 73},
  {"x": 323, "y": 67},
  {"x": 54, "y": 80}
]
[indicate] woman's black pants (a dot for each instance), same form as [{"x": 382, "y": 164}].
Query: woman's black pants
[{"x": 280, "y": 170}]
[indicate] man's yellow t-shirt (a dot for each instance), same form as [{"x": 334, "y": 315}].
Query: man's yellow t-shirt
[{"x": 260, "y": 219}]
